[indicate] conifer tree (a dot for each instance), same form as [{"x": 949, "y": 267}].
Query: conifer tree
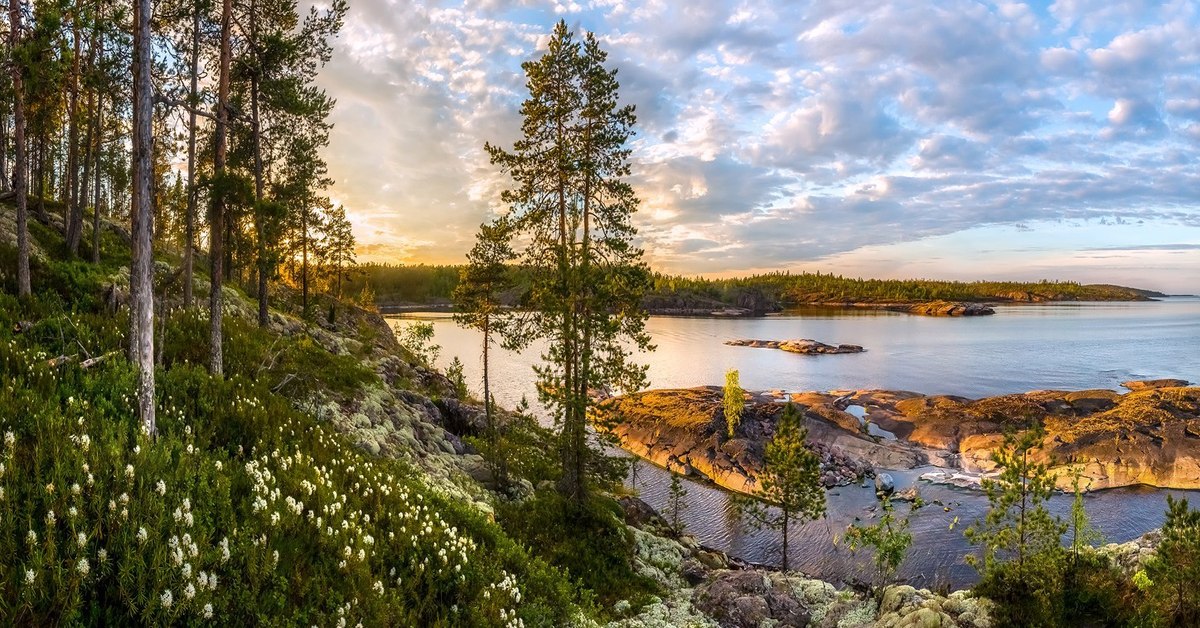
[
  {"x": 888, "y": 538},
  {"x": 1021, "y": 559},
  {"x": 1175, "y": 567},
  {"x": 571, "y": 213},
  {"x": 790, "y": 489},
  {"x": 477, "y": 301}
]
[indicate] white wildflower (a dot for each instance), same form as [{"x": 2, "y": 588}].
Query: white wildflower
[
  {"x": 161, "y": 487},
  {"x": 208, "y": 611},
  {"x": 166, "y": 599},
  {"x": 83, "y": 567},
  {"x": 30, "y": 575}
]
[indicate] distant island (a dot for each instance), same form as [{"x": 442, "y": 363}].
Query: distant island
[{"x": 423, "y": 287}]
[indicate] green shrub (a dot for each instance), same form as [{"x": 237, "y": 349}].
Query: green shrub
[{"x": 592, "y": 544}]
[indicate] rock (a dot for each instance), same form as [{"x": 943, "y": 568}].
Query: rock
[
  {"x": 1151, "y": 384},
  {"x": 694, "y": 571},
  {"x": 749, "y": 599},
  {"x": 639, "y": 514},
  {"x": 945, "y": 308},
  {"x": 479, "y": 470},
  {"x": 1149, "y": 437},
  {"x": 884, "y": 484},
  {"x": 911, "y": 494},
  {"x": 803, "y": 346}
]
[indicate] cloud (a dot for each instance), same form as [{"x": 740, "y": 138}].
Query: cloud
[{"x": 774, "y": 133}]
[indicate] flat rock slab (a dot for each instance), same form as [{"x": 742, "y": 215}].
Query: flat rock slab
[
  {"x": 1151, "y": 384},
  {"x": 803, "y": 346}
]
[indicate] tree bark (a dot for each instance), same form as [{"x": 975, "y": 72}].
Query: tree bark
[
  {"x": 189, "y": 224},
  {"x": 142, "y": 271},
  {"x": 217, "y": 221},
  {"x": 20, "y": 171},
  {"x": 259, "y": 218},
  {"x": 74, "y": 210},
  {"x": 304, "y": 261},
  {"x": 5, "y": 182},
  {"x": 99, "y": 156}
]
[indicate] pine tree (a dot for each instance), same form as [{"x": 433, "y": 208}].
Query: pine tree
[
  {"x": 888, "y": 538},
  {"x": 1175, "y": 567},
  {"x": 477, "y": 301},
  {"x": 790, "y": 489},
  {"x": 1022, "y": 554},
  {"x": 571, "y": 212},
  {"x": 676, "y": 504}
]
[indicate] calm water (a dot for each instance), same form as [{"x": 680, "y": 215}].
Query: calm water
[{"x": 1021, "y": 348}]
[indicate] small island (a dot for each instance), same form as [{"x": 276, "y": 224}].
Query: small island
[{"x": 803, "y": 346}]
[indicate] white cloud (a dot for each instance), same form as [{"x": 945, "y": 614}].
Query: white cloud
[{"x": 760, "y": 120}]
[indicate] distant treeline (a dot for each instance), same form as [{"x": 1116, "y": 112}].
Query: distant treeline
[{"x": 433, "y": 284}]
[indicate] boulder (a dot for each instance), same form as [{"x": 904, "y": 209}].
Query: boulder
[
  {"x": 749, "y": 599},
  {"x": 884, "y": 484}
]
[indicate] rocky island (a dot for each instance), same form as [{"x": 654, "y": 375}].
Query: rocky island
[
  {"x": 1148, "y": 436},
  {"x": 804, "y": 346}
]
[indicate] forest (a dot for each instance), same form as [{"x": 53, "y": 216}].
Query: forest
[{"x": 423, "y": 284}]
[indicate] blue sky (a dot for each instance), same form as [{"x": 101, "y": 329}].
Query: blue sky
[{"x": 947, "y": 139}]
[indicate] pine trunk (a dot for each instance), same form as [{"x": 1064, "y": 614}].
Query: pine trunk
[
  {"x": 259, "y": 219},
  {"x": 189, "y": 221},
  {"x": 73, "y": 197},
  {"x": 217, "y": 221},
  {"x": 20, "y": 168},
  {"x": 141, "y": 274}
]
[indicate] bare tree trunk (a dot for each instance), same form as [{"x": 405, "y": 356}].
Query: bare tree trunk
[
  {"x": 189, "y": 226},
  {"x": 90, "y": 143},
  {"x": 98, "y": 157},
  {"x": 304, "y": 261},
  {"x": 5, "y": 183},
  {"x": 786, "y": 520},
  {"x": 217, "y": 221},
  {"x": 142, "y": 272},
  {"x": 259, "y": 218},
  {"x": 43, "y": 138},
  {"x": 74, "y": 210},
  {"x": 19, "y": 172}
]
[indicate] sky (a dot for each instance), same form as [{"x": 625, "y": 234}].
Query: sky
[{"x": 913, "y": 138}]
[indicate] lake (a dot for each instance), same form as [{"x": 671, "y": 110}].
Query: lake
[{"x": 1067, "y": 346}]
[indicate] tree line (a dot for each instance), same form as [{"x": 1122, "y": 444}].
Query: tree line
[
  {"x": 197, "y": 123},
  {"x": 425, "y": 284}
]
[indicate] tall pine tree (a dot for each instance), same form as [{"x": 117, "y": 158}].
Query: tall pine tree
[{"x": 571, "y": 212}]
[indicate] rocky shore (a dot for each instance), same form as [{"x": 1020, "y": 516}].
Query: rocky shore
[
  {"x": 804, "y": 346},
  {"x": 1149, "y": 436},
  {"x": 707, "y": 588}
]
